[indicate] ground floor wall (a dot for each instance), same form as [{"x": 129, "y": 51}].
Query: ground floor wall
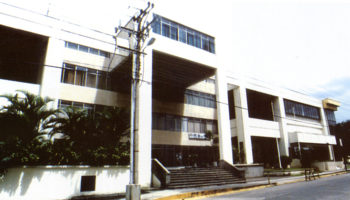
[
  {"x": 328, "y": 165},
  {"x": 62, "y": 182}
]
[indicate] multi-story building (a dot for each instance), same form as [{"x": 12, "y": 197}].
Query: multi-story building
[{"x": 191, "y": 111}]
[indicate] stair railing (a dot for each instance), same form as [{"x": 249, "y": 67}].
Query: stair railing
[
  {"x": 161, "y": 172},
  {"x": 237, "y": 172}
]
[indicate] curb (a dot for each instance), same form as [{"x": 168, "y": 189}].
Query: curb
[
  {"x": 218, "y": 192},
  {"x": 207, "y": 193}
]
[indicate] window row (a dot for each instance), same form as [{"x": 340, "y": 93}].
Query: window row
[
  {"x": 200, "y": 99},
  {"x": 301, "y": 110},
  {"x": 77, "y": 75},
  {"x": 91, "y": 108},
  {"x": 183, "y": 34},
  {"x": 87, "y": 49},
  {"x": 169, "y": 122}
]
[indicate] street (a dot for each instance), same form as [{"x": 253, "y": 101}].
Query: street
[{"x": 330, "y": 188}]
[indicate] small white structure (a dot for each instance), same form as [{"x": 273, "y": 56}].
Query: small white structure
[{"x": 62, "y": 182}]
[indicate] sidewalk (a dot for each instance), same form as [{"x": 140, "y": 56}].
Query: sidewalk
[{"x": 251, "y": 184}]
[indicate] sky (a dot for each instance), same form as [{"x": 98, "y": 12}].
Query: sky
[{"x": 300, "y": 45}]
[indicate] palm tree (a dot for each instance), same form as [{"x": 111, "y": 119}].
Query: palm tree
[
  {"x": 91, "y": 138},
  {"x": 23, "y": 116},
  {"x": 21, "y": 123}
]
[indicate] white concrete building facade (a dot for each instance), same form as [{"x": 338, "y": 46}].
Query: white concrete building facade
[{"x": 192, "y": 112}]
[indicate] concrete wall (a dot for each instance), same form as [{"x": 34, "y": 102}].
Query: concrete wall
[
  {"x": 60, "y": 182},
  {"x": 10, "y": 87},
  {"x": 328, "y": 165},
  {"x": 252, "y": 170},
  {"x": 263, "y": 128}
]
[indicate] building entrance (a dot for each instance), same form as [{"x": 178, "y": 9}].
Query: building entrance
[
  {"x": 188, "y": 156},
  {"x": 265, "y": 151}
]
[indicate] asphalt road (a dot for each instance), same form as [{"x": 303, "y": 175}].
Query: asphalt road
[{"x": 330, "y": 188}]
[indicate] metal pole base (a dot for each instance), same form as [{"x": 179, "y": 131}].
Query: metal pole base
[{"x": 133, "y": 192}]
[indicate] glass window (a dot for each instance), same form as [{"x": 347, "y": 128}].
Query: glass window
[
  {"x": 178, "y": 123},
  {"x": 72, "y": 45},
  {"x": 209, "y": 126},
  {"x": 156, "y": 25},
  {"x": 86, "y": 49},
  {"x": 173, "y": 33},
  {"x": 83, "y": 48},
  {"x": 78, "y": 105},
  {"x": 85, "y": 77},
  {"x": 197, "y": 40},
  {"x": 205, "y": 44},
  {"x": 104, "y": 54},
  {"x": 184, "y": 124},
  {"x": 330, "y": 117},
  {"x": 211, "y": 46},
  {"x": 80, "y": 76},
  {"x": 190, "y": 126},
  {"x": 182, "y": 35},
  {"x": 91, "y": 78},
  {"x": 200, "y": 99},
  {"x": 197, "y": 126},
  {"x": 161, "y": 122},
  {"x": 190, "y": 39},
  {"x": 165, "y": 30},
  {"x": 215, "y": 127},
  {"x": 68, "y": 74},
  {"x": 93, "y": 51},
  {"x": 176, "y": 31},
  {"x": 63, "y": 104},
  {"x": 170, "y": 123},
  {"x": 301, "y": 110},
  {"x": 102, "y": 80}
]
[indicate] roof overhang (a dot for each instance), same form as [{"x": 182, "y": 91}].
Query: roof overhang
[
  {"x": 330, "y": 104},
  {"x": 297, "y": 137},
  {"x": 171, "y": 76}
]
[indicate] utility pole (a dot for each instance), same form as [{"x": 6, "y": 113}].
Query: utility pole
[{"x": 138, "y": 35}]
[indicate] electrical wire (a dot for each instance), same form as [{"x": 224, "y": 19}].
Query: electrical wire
[{"x": 216, "y": 101}]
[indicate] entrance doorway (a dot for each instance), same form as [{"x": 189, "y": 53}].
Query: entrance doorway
[
  {"x": 265, "y": 151},
  {"x": 174, "y": 155}
]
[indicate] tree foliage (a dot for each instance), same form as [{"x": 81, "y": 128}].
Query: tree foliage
[
  {"x": 342, "y": 131},
  {"x": 22, "y": 135},
  {"x": 32, "y": 134},
  {"x": 95, "y": 138}
]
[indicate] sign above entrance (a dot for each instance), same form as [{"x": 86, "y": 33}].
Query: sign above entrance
[{"x": 197, "y": 136}]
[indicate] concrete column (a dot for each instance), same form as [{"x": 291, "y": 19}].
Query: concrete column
[
  {"x": 143, "y": 122},
  {"x": 280, "y": 116},
  {"x": 326, "y": 131},
  {"x": 225, "y": 144},
  {"x": 331, "y": 152},
  {"x": 51, "y": 74},
  {"x": 324, "y": 122},
  {"x": 242, "y": 117}
]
